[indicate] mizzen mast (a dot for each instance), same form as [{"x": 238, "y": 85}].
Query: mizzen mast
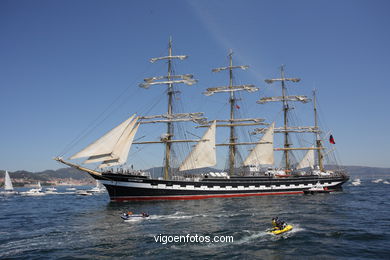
[{"x": 318, "y": 137}]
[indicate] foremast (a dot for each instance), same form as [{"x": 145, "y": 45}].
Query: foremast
[
  {"x": 169, "y": 80},
  {"x": 169, "y": 124}
]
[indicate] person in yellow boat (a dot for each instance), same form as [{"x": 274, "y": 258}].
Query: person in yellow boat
[
  {"x": 278, "y": 224},
  {"x": 274, "y": 222}
]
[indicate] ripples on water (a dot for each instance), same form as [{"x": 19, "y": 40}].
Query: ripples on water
[{"x": 352, "y": 224}]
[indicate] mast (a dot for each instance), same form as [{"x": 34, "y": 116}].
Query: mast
[
  {"x": 169, "y": 124},
  {"x": 284, "y": 98},
  {"x": 169, "y": 118},
  {"x": 318, "y": 138},
  {"x": 232, "y": 147},
  {"x": 232, "y": 122},
  {"x": 285, "y": 111}
]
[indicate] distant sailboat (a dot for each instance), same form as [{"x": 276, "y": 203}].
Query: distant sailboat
[
  {"x": 8, "y": 187},
  {"x": 35, "y": 191}
]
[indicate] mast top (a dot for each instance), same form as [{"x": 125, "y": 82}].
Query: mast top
[
  {"x": 169, "y": 79},
  {"x": 283, "y": 78},
  {"x": 284, "y": 98},
  {"x": 231, "y": 88},
  {"x": 230, "y": 67}
]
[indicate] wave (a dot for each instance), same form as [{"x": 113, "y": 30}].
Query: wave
[
  {"x": 176, "y": 215},
  {"x": 182, "y": 215}
]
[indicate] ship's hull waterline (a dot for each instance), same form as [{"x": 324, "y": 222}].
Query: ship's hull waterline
[{"x": 134, "y": 188}]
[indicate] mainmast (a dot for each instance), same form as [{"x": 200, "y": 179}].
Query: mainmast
[{"x": 232, "y": 122}]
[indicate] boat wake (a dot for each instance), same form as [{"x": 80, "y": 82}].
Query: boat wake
[
  {"x": 259, "y": 236},
  {"x": 252, "y": 235},
  {"x": 176, "y": 215},
  {"x": 181, "y": 215},
  {"x": 135, "y": 219},
  {"x": 377, "y": 180}
]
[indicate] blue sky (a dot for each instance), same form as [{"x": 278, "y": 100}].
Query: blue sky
[{"x": 62, "y": 63}]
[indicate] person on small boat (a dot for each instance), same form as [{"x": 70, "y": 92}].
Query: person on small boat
[
  {"x": 274, "y": 222},
  {"x": 145, "y": 215},
  {"x": 128, "y": 213},
  {"x": 278, "y": 223},
  {"x": 282, "y": 225}
]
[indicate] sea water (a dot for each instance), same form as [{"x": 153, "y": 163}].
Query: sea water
[{"x": 353, "y": 224}]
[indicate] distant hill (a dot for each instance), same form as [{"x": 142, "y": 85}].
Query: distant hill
[{"x": 63, "y": 173}]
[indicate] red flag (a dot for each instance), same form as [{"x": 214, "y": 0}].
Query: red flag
[
  {"x": 237, "y": 106},
  {"x": 331, "y": 139}
]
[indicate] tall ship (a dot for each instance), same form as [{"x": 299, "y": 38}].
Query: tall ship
[{"x": 254, "y": 174}]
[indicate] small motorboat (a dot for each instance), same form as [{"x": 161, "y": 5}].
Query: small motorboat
[
  {"x": 51, "y": 190},
  {"x": 278, "y": 231},
  {"x": 130, "y": 215},
  {"x": 318, "y": 188},
  {"x": 34, "y": 192},
  {"x": 83, "y": 193},
  {"x": 356, "y": 182}
]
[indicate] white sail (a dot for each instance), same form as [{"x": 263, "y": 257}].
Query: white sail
[
  {"x": 307, "y": 161},
  {"x": 121, "y": 150},
  {"x": 263, "y": 153},
  {"x": 204, "y": 153},
  {"x": 7, "y": 182},
  {"x": 99, "y": 158},
  {"x": 105, "y": 144},
  {"x": 114, "y": 154}
]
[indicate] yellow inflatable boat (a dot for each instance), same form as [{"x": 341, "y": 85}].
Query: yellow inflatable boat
[{"x": 277, "y": 231}]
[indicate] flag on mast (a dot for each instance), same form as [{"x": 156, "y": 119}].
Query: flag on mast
[{"x": 331, "y": 139}]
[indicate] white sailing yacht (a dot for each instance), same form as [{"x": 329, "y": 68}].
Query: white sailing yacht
[{"x": 8, "y": 187}]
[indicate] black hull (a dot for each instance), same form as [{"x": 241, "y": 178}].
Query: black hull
[{"x": 131, "y": 187}]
